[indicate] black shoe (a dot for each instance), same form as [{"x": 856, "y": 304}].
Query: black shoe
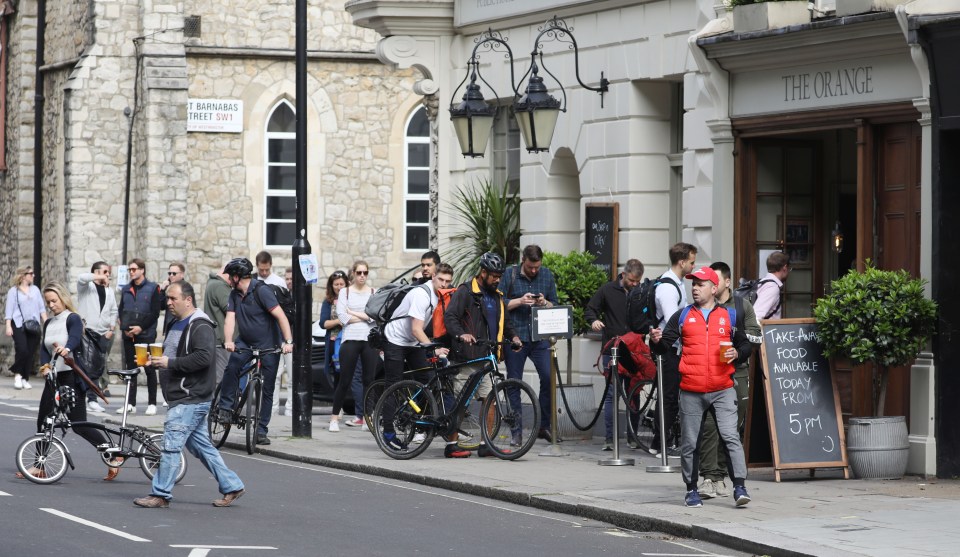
[
  {"x": 262, "y": 439},
  {"x": 544, "y": 433},
  {"x": 225, "y": 416}
]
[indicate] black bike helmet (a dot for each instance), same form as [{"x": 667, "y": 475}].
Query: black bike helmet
[
  {"x": 492, "y": 262},
  {"x": 240, "y": 266}
]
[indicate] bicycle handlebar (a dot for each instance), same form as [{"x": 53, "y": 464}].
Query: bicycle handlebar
[{"x": 259, "y": 351}]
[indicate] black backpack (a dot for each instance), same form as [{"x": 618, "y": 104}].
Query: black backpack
[
  {"x": 747, "y": 290},
  {"x": 642, "y": 305},
  {"x": 284, "y": 298},
  {"x": 382, "y": 306}
]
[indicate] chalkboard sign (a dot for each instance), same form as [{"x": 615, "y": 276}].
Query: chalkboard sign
[
  {"x": 603, "y": 230},
  {"x": 803, "y": 407}
]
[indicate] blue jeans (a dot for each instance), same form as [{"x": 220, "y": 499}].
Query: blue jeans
[
  {"x": 231, "y": 381},
  {"x": 186, "y": 425},
  {"x": 539, "y": 353}
]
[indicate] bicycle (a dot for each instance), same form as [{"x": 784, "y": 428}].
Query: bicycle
[
  {"x": 510, "y": 414},
  {"x": 246, "y": 407},
  {"x": 469, "y": 429},
  {"x": 44, "y": 457}
]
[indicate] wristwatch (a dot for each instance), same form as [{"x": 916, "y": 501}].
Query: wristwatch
[{"x": 288, "y": 342}]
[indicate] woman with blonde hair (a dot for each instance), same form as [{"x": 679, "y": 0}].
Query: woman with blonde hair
[
  {"x": 354, "y": 347},
  {"x": 24, "y": 313},
  {"x": 62, "y": 334}
]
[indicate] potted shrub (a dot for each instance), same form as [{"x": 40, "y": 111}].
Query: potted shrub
[
  {"x": 760, "y": 15},
  {"x": 884, "y": 318}
]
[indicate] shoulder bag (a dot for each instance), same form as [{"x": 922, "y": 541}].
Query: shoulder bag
[{"x": 31, "y": 326}]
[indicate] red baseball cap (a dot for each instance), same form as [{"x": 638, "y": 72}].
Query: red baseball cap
[{"x": 705, "y": 273}]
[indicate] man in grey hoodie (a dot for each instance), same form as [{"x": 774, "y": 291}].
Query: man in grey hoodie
[
  {"x": 187, "y": 377},
  {"x": 97, "y": 305}
]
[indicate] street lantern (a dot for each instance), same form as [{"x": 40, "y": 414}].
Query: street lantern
[{"x": 536, "y": 111}]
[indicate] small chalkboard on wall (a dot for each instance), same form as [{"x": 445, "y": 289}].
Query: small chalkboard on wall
[
  {"x": 602, "y": 232},
  {"x": 803, "y": 407}
]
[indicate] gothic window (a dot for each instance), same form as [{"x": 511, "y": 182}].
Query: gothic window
[
  {"x": 416, "y": 186},
  {"x": 281, "y": 173}
]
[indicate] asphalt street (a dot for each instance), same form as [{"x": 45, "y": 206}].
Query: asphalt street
[{"x": 289, "y": 509}]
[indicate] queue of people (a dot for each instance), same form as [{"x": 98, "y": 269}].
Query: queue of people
[{"x": 200, "y": 346}]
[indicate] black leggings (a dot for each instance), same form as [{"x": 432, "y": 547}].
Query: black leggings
[
  {"x": 350, "y": 352},
  {"x": 25, "y": 350},
  {"x": 77, "y": 414}
]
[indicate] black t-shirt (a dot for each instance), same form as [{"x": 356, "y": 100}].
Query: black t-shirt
[{"x": 255, "y": 326}]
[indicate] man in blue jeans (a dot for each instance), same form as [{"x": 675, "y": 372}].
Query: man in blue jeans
[
  {"x": 524, "y": 286},
  {"x": 188, "y": 373},
  {"x": 255, "y": 312}
]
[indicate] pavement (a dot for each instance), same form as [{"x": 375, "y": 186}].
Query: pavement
[{"x": 823, "y": 515}]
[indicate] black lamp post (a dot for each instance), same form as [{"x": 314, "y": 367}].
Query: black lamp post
[{"x": 536, "y": 111}]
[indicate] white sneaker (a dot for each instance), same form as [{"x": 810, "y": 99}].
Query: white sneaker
[
  {"x": 721, "y": 489},
  {"x": 17, "y": 382},
  {"x": 419, "y": 438},
  {"x": 26, "y": 385},
  {"x": 131, "y": 409},
  {"x": 151, "y": 410},
  {"x": 707, "y": 489},
  {"x": 94, "y": 406},
  {"x": 364, "y": 427},
  {"x": 354, "y": 422},
  {"x": 334, "y": 426}
]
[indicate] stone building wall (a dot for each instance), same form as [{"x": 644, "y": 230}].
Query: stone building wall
[{"x": 70, "y": 26}]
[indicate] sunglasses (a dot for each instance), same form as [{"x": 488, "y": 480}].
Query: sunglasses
[
  {"x": 133, "y": 268},
  {"x": 172, "y": 273},
  {"x": 364, "y": 273}
]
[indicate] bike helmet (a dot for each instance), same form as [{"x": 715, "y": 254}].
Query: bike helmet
[
  {"x": 492, "y": 262},
  {"x": 67, "y": 397},
  {"x": 240, "y": 266}
]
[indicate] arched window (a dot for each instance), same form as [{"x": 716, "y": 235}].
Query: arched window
[
  {"x": 281, "y": 175},
  {"x": 416, "y": 182}
]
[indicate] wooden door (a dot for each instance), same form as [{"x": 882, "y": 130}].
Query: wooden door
[{"x": 898, "y": 225}]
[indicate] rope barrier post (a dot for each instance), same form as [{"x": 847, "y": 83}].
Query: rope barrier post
[
  {"x": 554, "y": 449},
  {"x": 615, "y": 384},
  {"x": 663, "y": 467}
]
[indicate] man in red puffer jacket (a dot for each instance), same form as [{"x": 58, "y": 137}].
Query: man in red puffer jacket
[{"x": 706, "y": 380}]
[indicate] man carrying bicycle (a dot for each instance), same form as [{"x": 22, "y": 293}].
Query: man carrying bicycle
[
  {"x": 254, "y": 311},
  {"x": 188, "y": 373},
  {"x": 405, "y": 333},
  {"x": 476, "y": 312}
]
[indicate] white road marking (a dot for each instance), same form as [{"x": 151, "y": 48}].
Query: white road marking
[
  {"x": 408, "y": 488},
  {"x": 91, "y": 524},
  {"x": 204, "y": 546},
  {"x": 24, "y": 406},
  {"x": 4, "y": 494}
]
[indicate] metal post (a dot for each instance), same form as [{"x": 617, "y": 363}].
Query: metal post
[
  {"x": 302, "y": 292},
  {"x": 615, "y": 385},
  {"x": 663, "y": 467},
  {"x": 554, "y": 449}
]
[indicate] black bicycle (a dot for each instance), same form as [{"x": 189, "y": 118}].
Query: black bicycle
[
  {"x": 509, "y": 417},
  {"x": 246, "y": 407},
  {"x": 44, "y": 458}
]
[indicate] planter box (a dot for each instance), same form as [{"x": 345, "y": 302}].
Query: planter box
[
  {"x": 853, "y": 7},
  {"x": 877, "y": 448},
  {"x": 769, "y": 15}
]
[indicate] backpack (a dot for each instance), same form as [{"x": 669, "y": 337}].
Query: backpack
[
  {"x": 642, "y": 305},
  {"x": 634, "y": 361},
  {"x": 284, "y": 298},
  {"x": 381, "y": 308},
  {"x": 748, "y": 290},
  {"x": 438, "y": 328}
]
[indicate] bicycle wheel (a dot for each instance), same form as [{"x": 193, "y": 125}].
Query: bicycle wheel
[
  {"x": 42, "y": 460},
  {"x": 511, "y": 419},
  {"x": 413, "y": 405},
  {"x": 639, "y": 406},
  {"x": 370, "y": 399},
  {"x": 218, "y": 430},
  {"x": 150, "y": 454},
  {"x": 469, "y": 428},
  {"x": 252, "y": 413}
]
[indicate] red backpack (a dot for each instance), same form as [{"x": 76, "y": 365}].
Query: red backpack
[
  {"x": 439, "y": 328},
  {"x": 634, "y": 361}
]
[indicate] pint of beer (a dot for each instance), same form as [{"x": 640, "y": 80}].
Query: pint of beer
[
  {"x": 723, "y": 351},
  {"x": 156, "y": 350},
  {"x": 141, "y": 351}
]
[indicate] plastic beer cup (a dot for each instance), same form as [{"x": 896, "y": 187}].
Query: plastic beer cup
[
  {"x": 141, "y": 352},
  {"x": 723, "y": 351},
  {"x": 156, "y": 350}
]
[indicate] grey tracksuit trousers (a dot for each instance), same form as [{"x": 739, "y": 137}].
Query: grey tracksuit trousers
[{"x": 693, "y": 406}]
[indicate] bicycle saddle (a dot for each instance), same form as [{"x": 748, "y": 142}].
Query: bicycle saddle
[{"x": 125, "y": 372}]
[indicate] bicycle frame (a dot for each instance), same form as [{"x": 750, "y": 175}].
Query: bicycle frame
[{"x": 446, "y": 422}]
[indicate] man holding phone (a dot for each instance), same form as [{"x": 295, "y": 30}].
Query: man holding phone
[{"x": 525, "y": 286}]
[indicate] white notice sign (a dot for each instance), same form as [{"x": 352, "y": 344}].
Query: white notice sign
[
  {"x": 555, "y": 321},
  {"x": 215, "y": 115}
]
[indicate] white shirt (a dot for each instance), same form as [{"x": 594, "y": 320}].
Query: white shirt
[
  {"x": 768, "y": 297},
  {"x": 417, "y": 304},
  {"x": 356, "y": 302},
  {"x": 667, "y": 301},
  {"x": 273, "y": 279}
]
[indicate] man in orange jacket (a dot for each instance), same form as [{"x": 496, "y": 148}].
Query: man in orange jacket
[{"x": 705, "y": 335}]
